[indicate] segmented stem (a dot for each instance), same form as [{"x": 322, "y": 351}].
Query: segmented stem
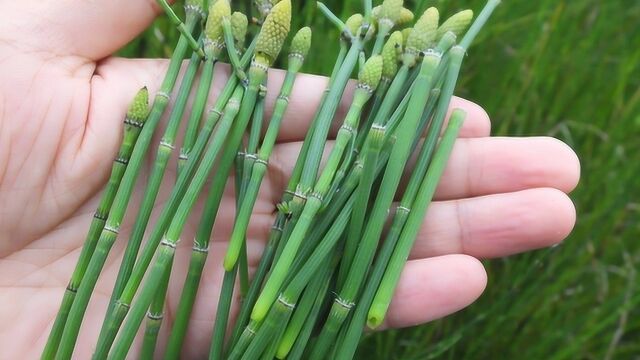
[{"x": 110, "y": 231}]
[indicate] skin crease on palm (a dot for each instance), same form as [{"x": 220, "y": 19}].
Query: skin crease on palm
[{"x": 62, "y": 101}]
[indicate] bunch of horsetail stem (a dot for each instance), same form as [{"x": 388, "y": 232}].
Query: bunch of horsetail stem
[
  {"x": 133, "y": 123},
  {"x": 324, "y": 275},
  {"x": 64, "y": 334}
]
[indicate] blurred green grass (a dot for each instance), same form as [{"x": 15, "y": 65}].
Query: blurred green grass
[{"x": 564, "y": 68}]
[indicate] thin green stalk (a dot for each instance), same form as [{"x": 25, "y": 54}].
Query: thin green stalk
[
  {"x": 250, "y": 157},
  {"x": 259, "y": 165},
  {"x": 111, "y": 228},
  {"x": 120, "y": 306},
  {"x": 222, "y": 315},
  {"x": 400, "y": 254},
  {"x": 131, "y": 278},
  {"x": 166, "y": 249},
  {"x": 282, "y": 308},
  {"x": 256, "y": 283},
  {"x": 154, "y": 319},
  {"x": 165, "y": 148},
  {"x": 134, "y": 120},
  {"x": 333, "y": 18},
  {"x": 184, "y": 29},
  {"x": 197, "y": 109},
  {"x": 201, "y": 243},
  {"x": 344, "y": 301},
  {"x": 326, "y": 114},
  {"x": 369, "y": 79},
  {"x": 295, "y": 351},
  {"x": 371, "y": 150},
  {"x": 351, "y": 338},
  {"x": 268, "y": 46}
]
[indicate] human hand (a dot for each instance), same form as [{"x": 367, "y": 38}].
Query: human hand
[{"x": 62, "y": 101}]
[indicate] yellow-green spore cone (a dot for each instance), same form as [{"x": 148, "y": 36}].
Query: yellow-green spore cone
[
  {"x": 422, "y": 36},
  {"x": 273, "y": 33},
  {"x": 369, "y": 76},
  {"x": 406, "y": 16},
  {"x": 405, "y": 35},
  {"x": 239, "y": 24},
  {"x": 392, "y": 48},
  {"x": 301, "y": 42},
  {"x": 457, "y": 23},
  {"x": 390, "y": 11},
  {"x": 354, "y": 22},
  {"x": 214, "y": 37},
  {"x": 139, "y": 107}
]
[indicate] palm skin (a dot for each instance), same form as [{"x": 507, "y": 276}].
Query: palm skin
[{"x": 62, "y": 101}]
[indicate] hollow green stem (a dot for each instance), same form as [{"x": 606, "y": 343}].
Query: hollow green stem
[
  {"x": 132, "y": 127},
  {"x": 183, "y": 28},
  {"x": 416, "y": 217},
  {"x": 197, "y": 109},
  {"x": 257, "y": 74},
  {"x": 326, "y": 114},
  {"x": 121, "y": 306},
  {"x": 312, "y": 206},
  {"x": 231, "y": 50},
  {"x": 333, "y": 18},
  {"x": 166, "y": 250},
  {"x": 165, "y": 149},
  {"x": 478, "y": 23},
  {"x": 256, "y": 283},
  {"x": 154, "y": 319},
  {"x": 344, "y": 301},
  {"x": 295, "y": 350},
  {"x": 111, "y": 228},
  {"x": 259, "y": 165},
  {"x": 222, "y": 315}
]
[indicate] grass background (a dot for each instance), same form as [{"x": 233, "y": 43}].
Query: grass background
[{"x": 564, "y": 68}]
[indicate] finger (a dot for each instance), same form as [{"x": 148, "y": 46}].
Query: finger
[
  {"x": 496, "y": 225},
  {"x": 478, "y": 166},
  {"x": 432, "y": 288},
  {"x": 91, "y": 29},
  {"x": 121, "y": 78}
]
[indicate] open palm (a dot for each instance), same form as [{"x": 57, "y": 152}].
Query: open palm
[{"x": 62, "y": 101}]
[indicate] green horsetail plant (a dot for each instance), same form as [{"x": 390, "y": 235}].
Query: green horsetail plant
[
  {"x": 368, "y": 80},
  {"x": 154, "y": 319},
  {"x": 157, "y": 272},
  {"x": 386, "y": 19},
  {"x": 269, "y": 43},
  {"x": 164, "y": 151},
  {"x": 326, "y": 114},
  {"x": 214, "y": 49},
  {"x": 352, "y": 25},
  {"x": 133, "y": 122},
  {"x": 410, "y": 230},
  {"x": 121, "y": 306},
  {"x": 389, "y": 281},
  {"x": 299, "y": 49},
  {"x": 258, "y": 331},
  {"x": 191, "y": 5},
  {"x": 307, "y": 164},
  {"x": 349, "y": 342},
  {"x": 345, "y": 298},
  {"x": 422, "y": 35},
  {"x": 121, "y": 199},
  {"x": 214, "y": 46},
  {"x": 391, "y": 51}
]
